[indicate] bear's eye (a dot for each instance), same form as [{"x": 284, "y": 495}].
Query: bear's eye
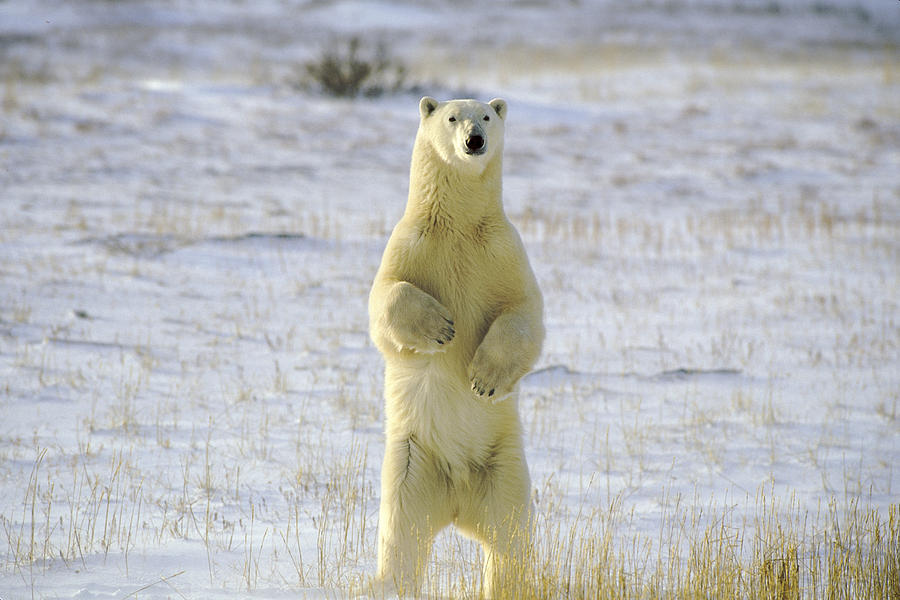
[
  {"x": 452, "y": 119},
  {"x": 487, "y": 118}
]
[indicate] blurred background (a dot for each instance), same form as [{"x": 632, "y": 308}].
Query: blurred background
[{"x": 194, "y": 197}]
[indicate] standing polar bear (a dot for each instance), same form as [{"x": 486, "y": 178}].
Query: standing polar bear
[{"x": 457, "y": 314}]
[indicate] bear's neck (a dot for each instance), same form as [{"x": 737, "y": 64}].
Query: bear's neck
[{"x": 444, "y": 199}]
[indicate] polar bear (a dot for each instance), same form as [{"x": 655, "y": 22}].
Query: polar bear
[{"x": 457, "y": 314}]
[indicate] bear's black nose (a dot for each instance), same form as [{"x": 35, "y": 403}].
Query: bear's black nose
[{"x": 474, "y": 142}]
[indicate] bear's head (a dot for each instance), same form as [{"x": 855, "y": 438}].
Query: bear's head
[{"x": 465, "y": 134}]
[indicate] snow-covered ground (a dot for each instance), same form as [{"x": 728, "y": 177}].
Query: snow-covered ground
[{"x": 189, "y": 403}]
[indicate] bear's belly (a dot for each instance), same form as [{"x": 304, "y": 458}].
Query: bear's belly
[{"x": 428, "y": 398}]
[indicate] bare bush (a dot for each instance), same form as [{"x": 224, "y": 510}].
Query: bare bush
[{"x": 354, "y": 68}]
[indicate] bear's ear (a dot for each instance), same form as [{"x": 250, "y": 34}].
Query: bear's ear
[
  {"x": 427, "y": 105},
  {"x": 499, "y": 105}
]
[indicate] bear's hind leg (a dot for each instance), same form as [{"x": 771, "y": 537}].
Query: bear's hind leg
[
  {"x": 413, "y": 509},
  {"x": 402, "y": 557},
  {"x": 506, "y": 548},
  {"x": 499, "y": 516}
]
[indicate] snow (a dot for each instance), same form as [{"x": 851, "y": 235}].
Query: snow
[{"x": 190, "y": 404}]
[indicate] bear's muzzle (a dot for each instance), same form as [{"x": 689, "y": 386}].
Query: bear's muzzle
[{"x": 475, "y": 144}]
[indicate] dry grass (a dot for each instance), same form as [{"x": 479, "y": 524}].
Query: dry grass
[
  {"x": 844, "y": 553},
  {"x": 783, "y": 552}
]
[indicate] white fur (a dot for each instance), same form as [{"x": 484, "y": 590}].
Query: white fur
[{"x": 457, "y": 314}]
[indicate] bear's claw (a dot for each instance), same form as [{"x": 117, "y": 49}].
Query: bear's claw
[
  {"x": 481, "y": 389},
  {"x": 446, "y": 334}
]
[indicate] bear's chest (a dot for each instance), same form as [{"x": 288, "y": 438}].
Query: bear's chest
[
  {"x": 445, "y": 266},
  {"x": 470, "y": 278}
]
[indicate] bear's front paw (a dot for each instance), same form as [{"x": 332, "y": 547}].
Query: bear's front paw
[
  {"x": 489, "y": 376},
  {"x": 437, "y": 329},
  {"x": 421, "y": 324}
]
